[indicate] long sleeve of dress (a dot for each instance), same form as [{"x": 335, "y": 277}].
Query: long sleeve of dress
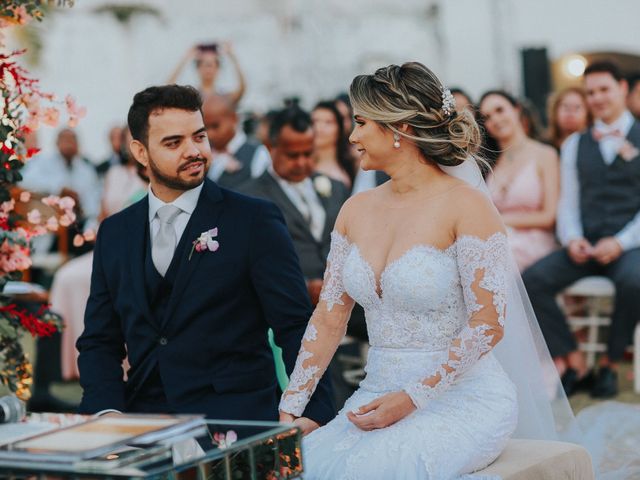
[
  {"x": 482, "y": 265},
  {"x": 324, "y": 332}
]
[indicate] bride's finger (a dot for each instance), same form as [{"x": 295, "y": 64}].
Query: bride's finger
[
  {"x": 368, "y": 407},
  {"x": 364, "y": 422}
]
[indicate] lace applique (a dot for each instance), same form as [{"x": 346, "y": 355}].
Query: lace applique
[
  {"x": 298, "y": 393},
  {"x": 333, "y": 288},
  {"x": 489, "y": 258},
  {"x": 323, "y": 334}
]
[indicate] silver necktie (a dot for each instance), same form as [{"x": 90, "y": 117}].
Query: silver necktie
[{"x": 164, "y": 243}]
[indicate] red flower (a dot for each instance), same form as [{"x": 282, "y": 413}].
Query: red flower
[
  {"x": 31, "y": 322},
  {"x": 7, "y": 150}
]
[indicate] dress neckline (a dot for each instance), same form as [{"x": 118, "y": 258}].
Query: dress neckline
[{"x": 377, "y": 283}]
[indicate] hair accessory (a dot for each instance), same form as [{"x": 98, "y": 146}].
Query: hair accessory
[
  {"x": 396, "y": 143},
  {"x": 448, "y": 102}
]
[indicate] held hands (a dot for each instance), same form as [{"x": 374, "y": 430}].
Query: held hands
[
  {"x": 305, "y": 424},
  {"x": 580, "y": 250},
  {"x": 383, "y": 411},
  {"x": 607, "y": 250}
]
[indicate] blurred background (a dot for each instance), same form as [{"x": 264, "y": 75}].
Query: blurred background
[{"x": 104, "y": 51}]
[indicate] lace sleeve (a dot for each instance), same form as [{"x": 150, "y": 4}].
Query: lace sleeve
[
  {"x": 482, "y": 265},
  {"x": 326, "y": 328}
]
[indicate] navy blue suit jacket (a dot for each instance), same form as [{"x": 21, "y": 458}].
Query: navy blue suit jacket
[{"x": 211, "y": 346}]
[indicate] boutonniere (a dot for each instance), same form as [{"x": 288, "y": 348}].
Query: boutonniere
[
  {"x": 322, "y": 185},
  {"x": 206, "y": 242},
  {"x": 628, "y": 151}
]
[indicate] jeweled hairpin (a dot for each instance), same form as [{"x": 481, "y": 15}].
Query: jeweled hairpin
[{"x": 448, "y": 102}]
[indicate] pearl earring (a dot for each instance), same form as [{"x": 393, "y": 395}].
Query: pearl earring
[{"x": 396, "y": 137}]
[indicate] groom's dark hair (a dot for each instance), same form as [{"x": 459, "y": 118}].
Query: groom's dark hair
[{"x": 182, "y": 97}]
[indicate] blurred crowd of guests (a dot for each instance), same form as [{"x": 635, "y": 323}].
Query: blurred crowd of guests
[{"x": 568, "y": 194}]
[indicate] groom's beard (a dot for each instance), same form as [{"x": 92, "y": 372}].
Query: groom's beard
[{"x": 175, "y": 182}]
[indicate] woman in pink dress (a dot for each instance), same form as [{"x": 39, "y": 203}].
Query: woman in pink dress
[{"x": 524, "y": 182}]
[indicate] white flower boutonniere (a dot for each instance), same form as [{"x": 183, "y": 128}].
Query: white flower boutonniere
[
  {"x": 205, "y": 242},
  {"x": 628, "y": 151},
  {"x": 322, "y": 185}
]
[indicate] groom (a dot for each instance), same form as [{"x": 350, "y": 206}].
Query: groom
[{"x": 191, "y": 316}]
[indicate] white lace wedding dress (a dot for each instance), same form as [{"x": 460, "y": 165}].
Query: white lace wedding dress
[{"x": 432, "y": 322}]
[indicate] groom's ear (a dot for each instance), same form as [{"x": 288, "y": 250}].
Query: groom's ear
[{"x": 139, "y": 152}]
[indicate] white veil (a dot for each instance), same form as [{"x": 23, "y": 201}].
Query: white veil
[{"x": 543, "y": 409}]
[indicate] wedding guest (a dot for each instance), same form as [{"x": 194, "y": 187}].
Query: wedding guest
[
  {"x": 262, "y": 131},
  {"x": 530, "y": 118},
  {"x": 633, "y": 98},
  {"x": 599, "y": 228},
  {"x": 343, "y": 104},
  {"x": 236, "y": 158},
  {"x": 115, "y": 138},
  {"x": 65, "y": 173},
  {"x": 568, "y": 114},
  {"x": 207, "y": 58},
  {"x": 331, "y": 148},
  {"x": 524, "y": 181},
  {"x": 309, "y": 201},
  {"x": 123, "y": 186},
  {"x": 462, "y": 99}
]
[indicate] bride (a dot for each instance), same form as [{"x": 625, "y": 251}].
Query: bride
[{"x": 426, "y": 255}]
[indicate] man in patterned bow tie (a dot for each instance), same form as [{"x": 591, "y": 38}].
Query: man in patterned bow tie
[{"x": 599, "y": 227}]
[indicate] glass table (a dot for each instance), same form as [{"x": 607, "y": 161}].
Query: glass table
[{"x": 225, "y": 450}]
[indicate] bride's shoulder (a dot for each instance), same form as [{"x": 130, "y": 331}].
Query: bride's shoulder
[
  {"x": 476, "y": 214},
  {"x": 359, "y": 202}
]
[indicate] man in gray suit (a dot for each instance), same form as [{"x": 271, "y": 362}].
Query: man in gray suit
[{"x": 309, "y": 202}]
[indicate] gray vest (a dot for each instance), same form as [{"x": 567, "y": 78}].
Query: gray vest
[
  {"x": 609, "y": 194},
  {"x": 244, "y": 155}
]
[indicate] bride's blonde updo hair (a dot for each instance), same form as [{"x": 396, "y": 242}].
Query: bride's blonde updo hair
[{"x": 412, "y": 94}]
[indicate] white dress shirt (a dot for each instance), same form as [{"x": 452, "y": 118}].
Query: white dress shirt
[
  {"x": 569, "y": 224},
  {"x": 49, "y": 174},
  {"x": 186, "y": 203},
  {"x": 305, "y": 198},
  {"x": 259, "y": 163}
]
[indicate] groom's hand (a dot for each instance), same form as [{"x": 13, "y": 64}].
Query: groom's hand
[
  {"x": 382, "y": 412},
  {"x": 305, "y": 424}
]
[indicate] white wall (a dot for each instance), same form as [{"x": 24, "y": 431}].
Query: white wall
[{"x": 313, "y": 48}]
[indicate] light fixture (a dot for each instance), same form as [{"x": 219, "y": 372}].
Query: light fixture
[{"x": 574, "y": 65}]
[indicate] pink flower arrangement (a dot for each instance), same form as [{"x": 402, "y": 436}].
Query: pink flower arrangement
[{"x": 223, "y": 440}]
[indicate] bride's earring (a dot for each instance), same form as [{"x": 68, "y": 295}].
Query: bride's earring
[{"x": 396, "y": 143}]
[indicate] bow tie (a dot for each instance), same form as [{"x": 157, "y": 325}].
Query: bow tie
[{"x": 599, "y": 134}]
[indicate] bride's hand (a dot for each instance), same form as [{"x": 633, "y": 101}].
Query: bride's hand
[
  {"x": 383, "y": 411},
  {"x": 303, "y": 423},
  {"x": 286, "y": 418}
]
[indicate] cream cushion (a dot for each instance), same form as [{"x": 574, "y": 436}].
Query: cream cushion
[{"x": 541, "y": 460}]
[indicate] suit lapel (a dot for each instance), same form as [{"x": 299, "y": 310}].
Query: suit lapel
[
  {"x": 326, "y": 202},
  {"x": 204, "y": 218},
  {"x": 139, "y": 229},
  {"x": 276, "y": 194}
]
